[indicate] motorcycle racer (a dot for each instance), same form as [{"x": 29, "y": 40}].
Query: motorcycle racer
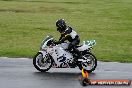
[{"x": 67, "y": 33}]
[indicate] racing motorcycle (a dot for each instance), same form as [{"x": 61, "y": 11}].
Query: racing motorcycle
[{"x": 57, "y": 56}]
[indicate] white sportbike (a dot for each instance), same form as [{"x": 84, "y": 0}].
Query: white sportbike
[{"x": 57, "y": 56}]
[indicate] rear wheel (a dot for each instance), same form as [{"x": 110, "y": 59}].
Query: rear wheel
[
  {"x": 90, "y": 62},
  {"x": 42, "y": 64}
]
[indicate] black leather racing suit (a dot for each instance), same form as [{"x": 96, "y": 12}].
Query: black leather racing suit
[{"x": 70, "y": 35}]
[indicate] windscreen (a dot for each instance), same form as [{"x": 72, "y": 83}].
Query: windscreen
[{"x": 45, "y": 41}]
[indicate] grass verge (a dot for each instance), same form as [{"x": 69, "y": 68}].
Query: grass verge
[{"x": 24, "y": 23}]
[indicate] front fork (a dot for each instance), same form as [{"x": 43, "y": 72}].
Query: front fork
[{"x": 44, "y": 53}]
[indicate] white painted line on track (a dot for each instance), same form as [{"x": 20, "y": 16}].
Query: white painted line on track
[{"x": 13, "y": 58}]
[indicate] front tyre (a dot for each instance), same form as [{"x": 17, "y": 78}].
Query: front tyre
[{"x": 42, "y": 64}]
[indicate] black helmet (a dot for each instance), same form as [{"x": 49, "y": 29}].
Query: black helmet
[{"x": 61, "y": 24}]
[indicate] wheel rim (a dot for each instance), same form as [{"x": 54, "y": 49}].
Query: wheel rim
[
  {"x": 43, "y": 63},
  {"x": 88, "y": 65}
]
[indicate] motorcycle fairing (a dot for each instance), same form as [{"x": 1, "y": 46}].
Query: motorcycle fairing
[{"x": 60, "y": 56}]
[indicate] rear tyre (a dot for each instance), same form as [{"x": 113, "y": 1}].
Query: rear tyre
[
  {"x": 42, "y": 64},
  {"x": 89, "y": 65}
]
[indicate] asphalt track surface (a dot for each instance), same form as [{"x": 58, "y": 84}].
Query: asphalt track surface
[{"x": 20, "y": 73}]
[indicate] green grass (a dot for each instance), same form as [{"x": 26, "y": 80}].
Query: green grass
[{"x": 24, "y": 23}]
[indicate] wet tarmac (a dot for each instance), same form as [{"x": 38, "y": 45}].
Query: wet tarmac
[{"x": 20, "y": 73}]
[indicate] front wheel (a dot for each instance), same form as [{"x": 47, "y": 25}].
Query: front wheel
[
  {"x": 42, "y": 64},
  {"x": 90, "y": 62}
]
